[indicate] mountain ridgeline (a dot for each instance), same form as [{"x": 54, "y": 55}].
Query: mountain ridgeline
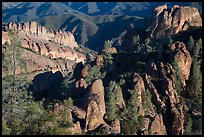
[
  {"x": 91, "y": 22},
  {"x": 145, "y": 79}
]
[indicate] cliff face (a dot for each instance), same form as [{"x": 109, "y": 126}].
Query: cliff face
[
  {"x": 171, "y": 21},
  {"x": 55, "y": 36},
  {"x": 48, "y": 49}
]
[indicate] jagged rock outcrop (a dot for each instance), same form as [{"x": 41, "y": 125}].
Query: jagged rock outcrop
[
  {"x": 50, "y": 49},
  {"x": 138, "y": 82},
  {"x": 111, "y": 50},
  {"x": 157, "y": 127},
  {"x": 171, "y": 21},
  {"x": 56, "y": 36},
  {"x": 46, "y": 48},
  {"x": 38, "y": 64},
  {"x": 94, "y": 117},
  {"x": 180, "y": 52},
  {"x": 176, "y": 109},
  {"x": 155, "y": 96}
]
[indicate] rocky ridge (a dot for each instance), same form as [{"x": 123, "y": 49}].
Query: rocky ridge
[
  {"x": 56, "y": 36},
  {"x": 43, "y": 52}
]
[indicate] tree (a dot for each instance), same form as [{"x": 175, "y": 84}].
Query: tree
[
  {"x": 112, "y": 108},
  {"x": 194, "y": 88},
  {"x": 190, "y": 44},
  {"x": 188, "y": 126},
  {"x": 107, "y": 44},
  {"x": 135, "y": 40},
  {"x": 168, "y": 42},
  {"x": 135, "y": 44},
  {"x": 196, "y": 50},
  {"x": 129, "y": 117},
  {"x": 148, "y": 46},
  {"x": 177, "y": 76},
  {"x": 146, "y": 101}
]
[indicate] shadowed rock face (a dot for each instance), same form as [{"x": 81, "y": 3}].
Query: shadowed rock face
[
  {"x": 46, "y": 81},
  {"x": 171, "y": 21}
]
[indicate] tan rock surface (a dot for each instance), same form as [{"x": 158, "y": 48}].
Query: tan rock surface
[
  {"x": 94, "y": 116},
  {"x": 157, "y": 127},
  {"x": 174, "y": 20}
]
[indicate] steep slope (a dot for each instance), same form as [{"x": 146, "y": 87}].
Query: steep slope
[{"x": 92, "y": 30}]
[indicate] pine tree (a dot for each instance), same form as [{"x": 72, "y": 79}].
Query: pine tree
[
  {"x": 111, "y": 106},
  {"x": 177, "y": 75},
  {"x": 190, "y": 44}
]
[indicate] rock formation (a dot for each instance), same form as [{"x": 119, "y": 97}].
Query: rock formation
[
  {"x": 44, "y": 81},
  {"x": 171, "y": 21},
  {"x": 93, "y": 117},
  {"x": 184, "y": 60},
  {"x": 138, "y": 82},
  {"x": 85, "y": 70},
  {"x": 50, "y": 49},
  {"x": 157, "y": 127},
  {"x": 99, "y": 60},
  {"x": 56, "y": 36},
  {"x": 55, "y": 56},
  {"x": 96, "y": 93},
  {"x": 116, "y": 126},
  {"x": 176, "y": 109},
  {"x": 5, "y": 38},
  {"x": 155, "y": 96}
]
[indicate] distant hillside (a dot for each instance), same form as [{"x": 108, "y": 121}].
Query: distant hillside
[
  {"x": 26, "y": 11},
  {"x": 91, "y": 31},
  {"x": 91, "y": 22}
]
